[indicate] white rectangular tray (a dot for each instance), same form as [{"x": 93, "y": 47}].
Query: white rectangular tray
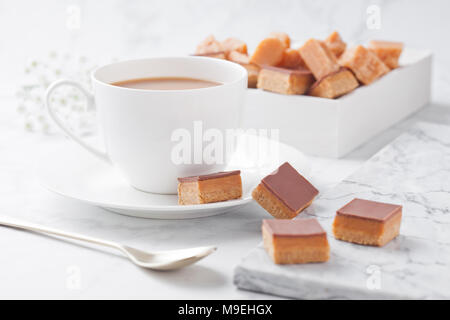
[{"x": 332, "y": 128}]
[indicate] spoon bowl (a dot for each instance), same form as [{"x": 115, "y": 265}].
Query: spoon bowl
[{"x": 167, "y": 260}]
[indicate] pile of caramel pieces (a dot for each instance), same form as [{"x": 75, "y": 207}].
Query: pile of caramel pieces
[{"x": 323, "y": 68}]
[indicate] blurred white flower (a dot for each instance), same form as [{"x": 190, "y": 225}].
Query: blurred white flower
[{"x": 68, "y": 102}]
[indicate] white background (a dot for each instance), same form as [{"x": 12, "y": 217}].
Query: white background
[{"x": 142, "y": 28}]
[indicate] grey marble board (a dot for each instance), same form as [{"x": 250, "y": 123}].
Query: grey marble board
[{"x": 414, "y": 170}]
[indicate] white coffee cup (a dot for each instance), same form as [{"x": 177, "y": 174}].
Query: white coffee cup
[{"x": 137, "y": 124}]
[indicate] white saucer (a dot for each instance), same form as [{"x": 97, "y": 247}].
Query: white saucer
[{"x": 73, "y": 173}]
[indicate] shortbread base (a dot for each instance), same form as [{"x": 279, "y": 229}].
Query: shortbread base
[
  {"x": 365, "y": 231},
  {"x": 296, "y": 250},
  {"x": 211, "y": 190}
]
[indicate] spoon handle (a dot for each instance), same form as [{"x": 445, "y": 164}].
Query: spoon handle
[{"x": 41, "y": 229}]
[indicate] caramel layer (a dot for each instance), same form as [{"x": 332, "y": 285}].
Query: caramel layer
[
  {"x": 293, "y": 250},
  {"x": 365, "y": 231},
  {"x": 210, "y": 190}
]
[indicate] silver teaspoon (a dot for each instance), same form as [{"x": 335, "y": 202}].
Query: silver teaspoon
[{"x": 159, "y": 260}]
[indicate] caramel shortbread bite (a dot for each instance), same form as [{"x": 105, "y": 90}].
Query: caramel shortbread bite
[
  {"x": 334, "y": 85},
  {"x": 208, "y": 188},
  {"x": 318, "y": 58},
  {"x": 335, "y": 44},
  {"x": 295, "y": 241},
  {"x": 367, "y": 222},
  {"x": 291, "y": 59},
  {"x": 233, "y": 44},
  {"x": 268, "y": 52},
  {"x": 284, "y": 193},
  {"x": 365, "y": 64},
  {"x": 209, "y": 45},
  {"x": 285, "y": 81},
  {"x": 284, "y": 37},
  {"x": 389, "y": 52}
]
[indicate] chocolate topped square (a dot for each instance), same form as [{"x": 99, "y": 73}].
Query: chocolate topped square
[
  {"x": 367, "y": 222},
  {"x": 293, "y": 228},
  {"x": 295, "y": 241},
  {"x": 207, "y": 188},
  {"x": 290, "y": 187},
  {"x": 284, "y": 193},
  {"x": 367, "y": 209}
]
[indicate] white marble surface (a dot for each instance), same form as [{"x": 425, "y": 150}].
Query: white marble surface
[
  {"x": 413, "y": 171},
  {"x": 40, "y": 267}
]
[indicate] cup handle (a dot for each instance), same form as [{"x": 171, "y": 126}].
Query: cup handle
[{"x": 90, "y": 101}]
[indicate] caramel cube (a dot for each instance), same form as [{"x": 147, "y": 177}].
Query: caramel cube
[
  {"x": 233, "y": 44},
  {"x": 291, "y": 59},
  {"x": 269, "y": 52},
  {"x": 334, "y": 85},
  {"x": 284, "y": 37},
  {"x": 367, "y": 222},
  {"x": 285, "y": 81},
  {"x": 209, "y": 45},
  {"x": 284, "y": 193},
  {"x": 365, "y": 64},
  {"x": 209, "y": 188},
  {"x": 335, "y": 44},
  {"x": 295, "y": 241},
  {"x": 389, "y": 52},
  {"x": 318, "y": 58}
]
